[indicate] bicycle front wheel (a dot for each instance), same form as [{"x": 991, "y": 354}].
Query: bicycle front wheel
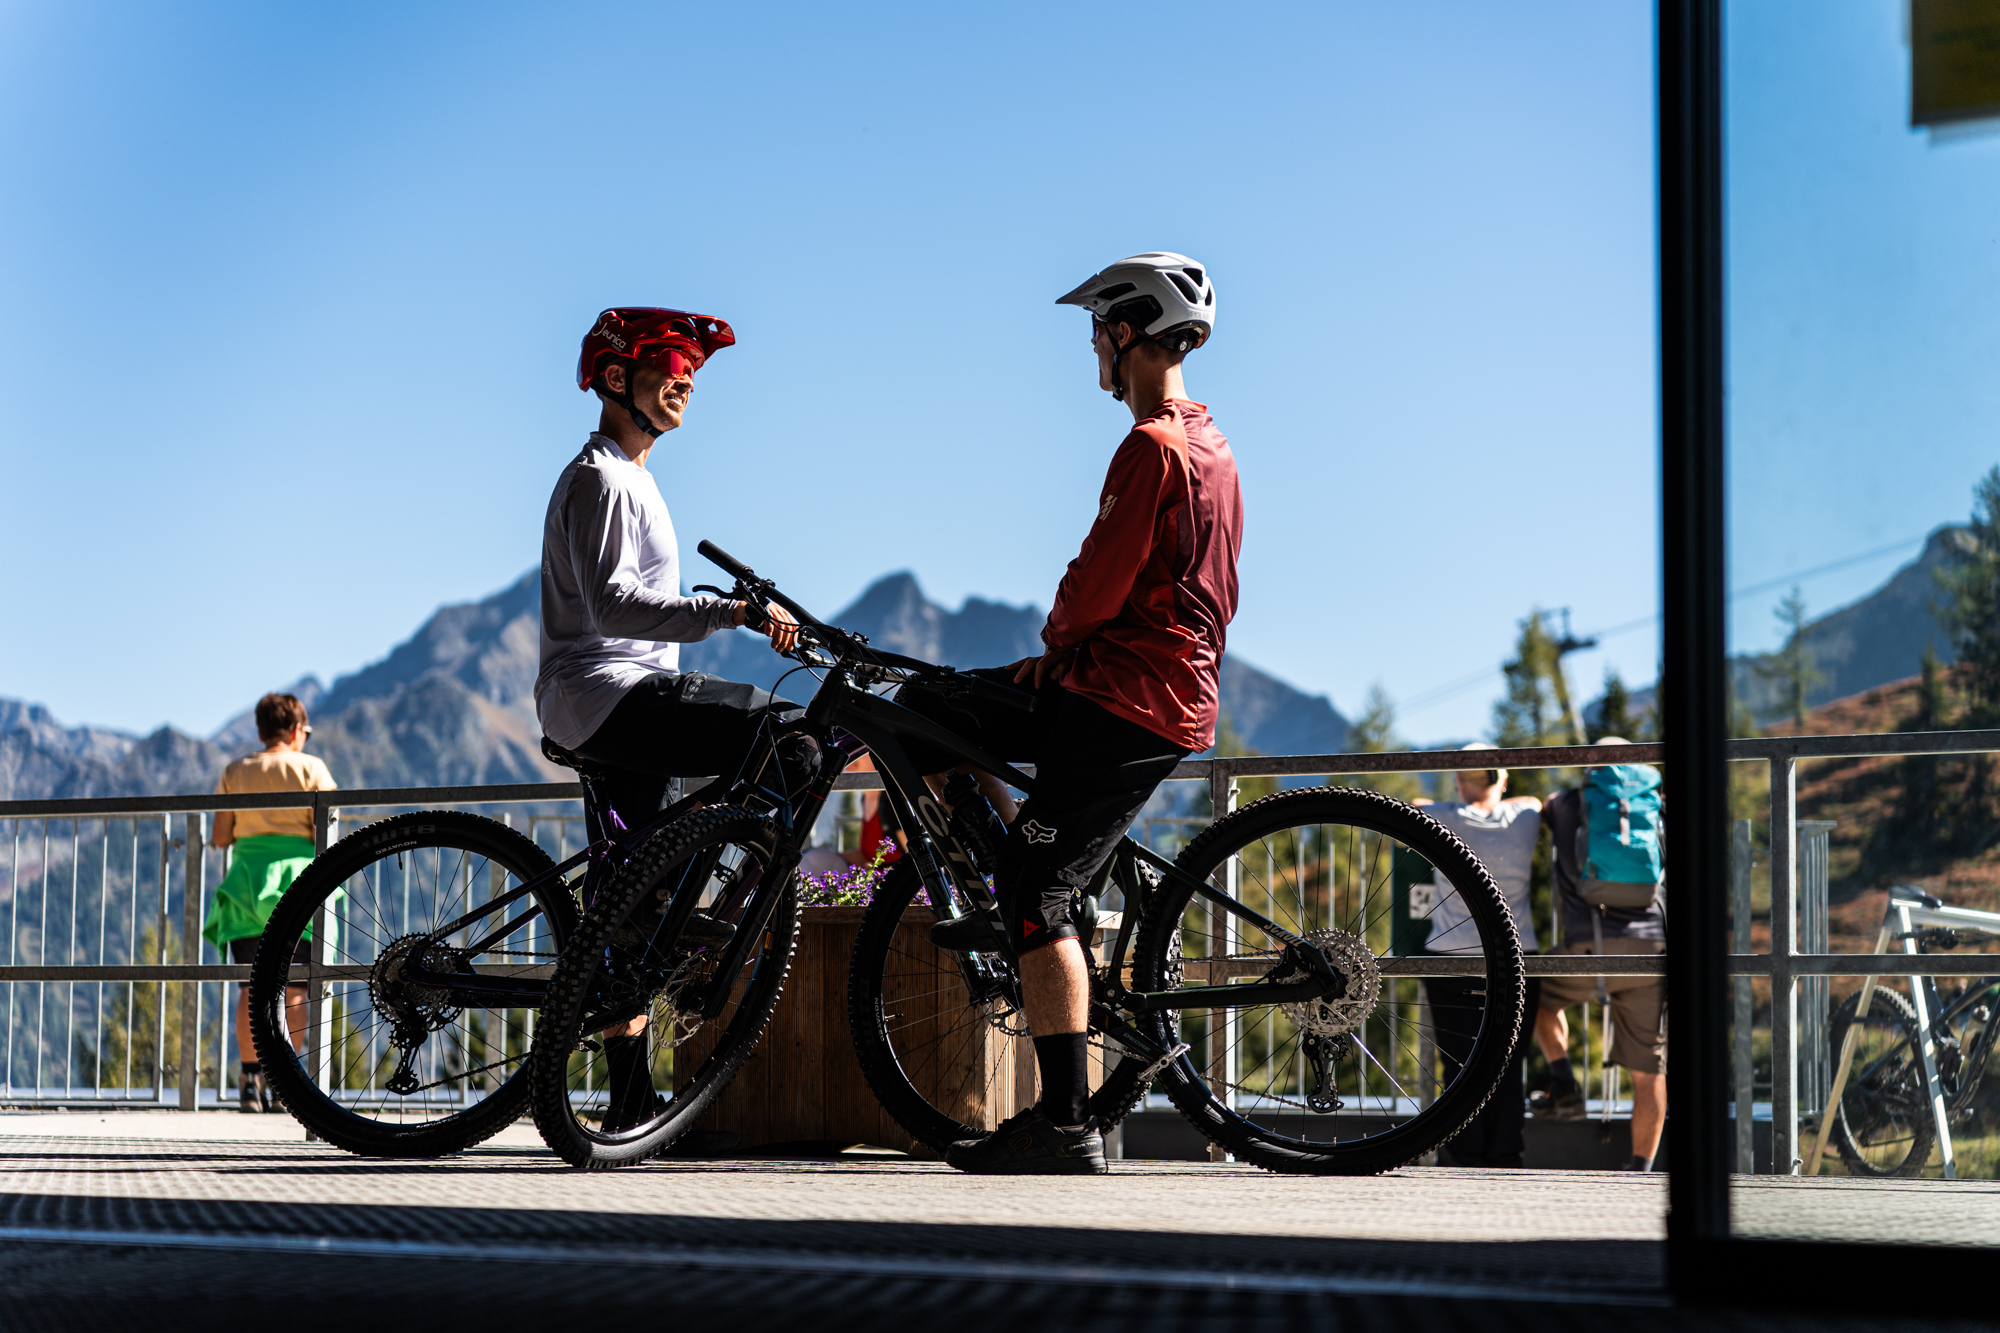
[
  {"x": 373, "y": 1064},
  {"x": 603, "y": 1100},
  {"x": 1352, "y": 1085}
]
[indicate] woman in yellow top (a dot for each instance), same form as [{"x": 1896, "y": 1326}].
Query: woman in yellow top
[{"x": 272, "y": 848}]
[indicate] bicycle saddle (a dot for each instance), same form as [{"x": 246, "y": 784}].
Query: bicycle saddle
[
  {"x": 1910, "y": 893},
  {"x": 556, "y": 754}
]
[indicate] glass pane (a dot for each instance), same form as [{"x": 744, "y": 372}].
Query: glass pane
[{"x": 1864, "y": 609}]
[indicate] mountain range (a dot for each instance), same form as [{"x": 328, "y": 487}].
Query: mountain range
[
  {"x": 454, "y": 703},
  {"x": 1866, "y": 643}
]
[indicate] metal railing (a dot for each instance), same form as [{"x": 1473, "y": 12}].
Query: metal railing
[{"x": 1784, "y": 965}]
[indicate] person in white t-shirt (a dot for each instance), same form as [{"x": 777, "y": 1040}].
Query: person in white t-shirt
[
  {"x": 611, "y": 692},
  {"x": 1502, "y": 832}
]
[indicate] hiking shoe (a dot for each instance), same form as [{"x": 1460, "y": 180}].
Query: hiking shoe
[
  {"x": 971, "y": 933},
  {"x": 1030, "y": 1144},
  {"x": 1564, "y": 1105}
]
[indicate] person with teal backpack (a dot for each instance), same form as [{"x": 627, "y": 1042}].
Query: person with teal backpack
[{"x": 1609, "y": 872}]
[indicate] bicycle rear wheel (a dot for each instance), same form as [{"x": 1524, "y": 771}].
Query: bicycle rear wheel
[
  {"x": 1884, "y": 1127},
  {"x": 616, "y": 1102},
  {"x": 382, "y": 1068},
  {"x": 1347, "y": 1086},
  {"x": 948, "y": 1060}
]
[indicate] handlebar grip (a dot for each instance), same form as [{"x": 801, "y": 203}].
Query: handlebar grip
[
  {"x": 1001, "y": 694},
  {"x": 730, "y": 564}
]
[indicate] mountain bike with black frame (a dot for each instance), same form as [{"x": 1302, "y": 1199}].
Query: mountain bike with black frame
[{"x": 1247, "y": 976}]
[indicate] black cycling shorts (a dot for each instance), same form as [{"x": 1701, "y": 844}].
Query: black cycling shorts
[
  {"x": 671, "y": 725},
  {"x": 1093, "y": 773}
]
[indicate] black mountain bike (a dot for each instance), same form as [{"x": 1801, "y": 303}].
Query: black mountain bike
[
  {"x": 1246, "y": 976},
  {"x": 396, "y": 990}
]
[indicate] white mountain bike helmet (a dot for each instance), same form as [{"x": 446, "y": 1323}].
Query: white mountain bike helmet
[{"x": 1166, "y": 297}]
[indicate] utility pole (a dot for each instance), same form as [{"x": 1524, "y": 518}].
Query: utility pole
[{"x": 1566, "y": 645}]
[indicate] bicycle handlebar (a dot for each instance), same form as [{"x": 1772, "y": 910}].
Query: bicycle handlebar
[
  {"x": 752, "y": 588},
  {"x": 730, "y": 564}
]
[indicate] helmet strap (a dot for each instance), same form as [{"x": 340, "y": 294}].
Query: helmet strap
[
  {"x": 624, "y": 400},
  {"x": 1117, "y": 372}
]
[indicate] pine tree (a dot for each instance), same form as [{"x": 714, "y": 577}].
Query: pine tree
[
  {"x": 1614, "y": 714},
  {"x": 1791, "y": 667},
  {"x": 1971, "y": 580},
  {"x": 1933, "y": 702},
  {"x": 1530, "y": 713}
]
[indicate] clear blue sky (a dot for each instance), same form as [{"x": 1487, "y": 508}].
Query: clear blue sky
[
  {"x": 1864, "y": 302},
  {"x": 292, "y": 296}
]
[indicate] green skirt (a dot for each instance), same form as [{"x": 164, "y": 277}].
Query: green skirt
[{"x": 261, "y": 868}]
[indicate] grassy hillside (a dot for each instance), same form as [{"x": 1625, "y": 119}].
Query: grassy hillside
[{"x": 1933, "y": 822}]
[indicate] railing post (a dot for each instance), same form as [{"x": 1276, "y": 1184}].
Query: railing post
[
  {"x": 191, "y": 891},
  {"x": 318, "y": 1052},
  {"x": 1221, "y": 933},
  {"x": 1746, "y": 999},
  {"x": 1784, "y": 946}
]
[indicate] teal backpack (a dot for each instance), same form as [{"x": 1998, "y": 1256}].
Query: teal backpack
[{"x": 1618, "y": 852}]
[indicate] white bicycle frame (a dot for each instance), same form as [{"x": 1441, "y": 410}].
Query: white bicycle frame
[{"x": 1910, "y": 910}]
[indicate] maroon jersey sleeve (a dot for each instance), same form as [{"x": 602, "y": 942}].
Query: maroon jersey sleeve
[{"x": 1144, "y": 474}]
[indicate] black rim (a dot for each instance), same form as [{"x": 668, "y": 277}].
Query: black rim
[
  {"x": 1269, "y": 1068},
  {"x": 400, "y": 1057}
]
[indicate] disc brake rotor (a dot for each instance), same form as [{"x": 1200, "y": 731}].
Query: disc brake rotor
[{"x": 1327, "y": 1018}]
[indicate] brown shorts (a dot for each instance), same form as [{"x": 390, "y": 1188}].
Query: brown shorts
[{"x": 1638, "y": 1005}]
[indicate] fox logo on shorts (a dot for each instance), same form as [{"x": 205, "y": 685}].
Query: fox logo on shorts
[{"x": 1035, "y": 831}]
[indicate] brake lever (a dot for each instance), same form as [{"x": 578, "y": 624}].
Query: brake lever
[{"x": 754, "y": 616}]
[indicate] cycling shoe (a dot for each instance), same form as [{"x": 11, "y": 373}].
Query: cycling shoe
[{"x": 1030, "y": 1144}]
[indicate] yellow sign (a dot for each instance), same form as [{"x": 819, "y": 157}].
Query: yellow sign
[{"x": 1954, "y": 60}]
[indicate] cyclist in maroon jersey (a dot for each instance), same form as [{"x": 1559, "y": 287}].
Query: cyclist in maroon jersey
[{"x": 1126, "y": 688}]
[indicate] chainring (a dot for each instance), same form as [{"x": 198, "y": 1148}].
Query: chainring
[{"x": 1328, "y": 1018}]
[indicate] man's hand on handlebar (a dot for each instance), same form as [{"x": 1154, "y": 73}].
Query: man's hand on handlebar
[
  {"x": 778, "y": 624},
  {"x": 1051, "y": 666}
]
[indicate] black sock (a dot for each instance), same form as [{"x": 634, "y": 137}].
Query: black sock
[
  {"x": 252, "y": 1068},
  {"x": 1560, "y": 1077},
  {"x": 1641, "y": 1163},
  {"x": 628, "y": 1080},
  {"x": 1065, "y": 1064}
]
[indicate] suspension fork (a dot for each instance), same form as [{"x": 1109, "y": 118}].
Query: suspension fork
[{"x": 776, "y": 882}]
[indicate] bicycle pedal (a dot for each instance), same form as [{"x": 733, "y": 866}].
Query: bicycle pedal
[{"x": 1151, "y": 1071}]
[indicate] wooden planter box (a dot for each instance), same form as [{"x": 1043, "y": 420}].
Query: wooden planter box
[{"x": 803, "y": 1085}]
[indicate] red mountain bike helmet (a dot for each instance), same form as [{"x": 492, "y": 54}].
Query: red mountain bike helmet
[{"x": 676, "y": 339}]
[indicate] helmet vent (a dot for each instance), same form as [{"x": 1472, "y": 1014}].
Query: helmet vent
[
  {"x": 1194, "y": 273},
  {"x": 1114, "y": 291},
  {"x": 1186, "y": 288}
]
